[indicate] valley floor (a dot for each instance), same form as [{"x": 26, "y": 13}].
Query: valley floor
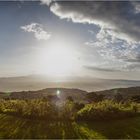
[{"x": 14, "y": 127}]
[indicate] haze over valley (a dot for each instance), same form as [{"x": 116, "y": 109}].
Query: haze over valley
[{"x": 36, "y": 82}]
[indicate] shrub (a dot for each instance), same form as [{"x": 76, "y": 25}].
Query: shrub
[
  {"x": 104, "y": 110},
  {"x": 70, "y": 110},
  {"x": 35, "y": 108}
]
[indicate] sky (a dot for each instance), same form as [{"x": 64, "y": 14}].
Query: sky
[{"x": 70, "y": 38}]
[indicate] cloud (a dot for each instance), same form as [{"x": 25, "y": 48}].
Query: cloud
[
  {"x": 118, "y": 40},
  {"x": 101, "y": 69},
  {"x": 113, "y": 47},
  {"x": 120, "y": 54},
  {"x": 46, "y": 2},
  {"x": 37, "y": 30},
  {"x": 135, "y": 59},
  {"x": 137, "y": 6},
  {"x": 113, "y": 66},
  {"x": 121, "y": 16},
  {"x": 134, "y": 67}
]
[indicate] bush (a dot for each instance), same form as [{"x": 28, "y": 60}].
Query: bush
[
  {"x": 35, "y": 108},
  {"x": 70, "y": 110},
  {"x": 93, "y": 97},
  {"x": 106, "y": 110}
]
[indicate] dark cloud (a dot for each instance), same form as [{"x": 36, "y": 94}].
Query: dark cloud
[
  {"x": 134, "y": 66},
  {"x": 121, "y": 16},
  {"x": 137, "y": 59},
  {"x": 101, "y": 69}
]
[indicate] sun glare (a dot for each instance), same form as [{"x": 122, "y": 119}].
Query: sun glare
[{"x": 58, "y": 61}]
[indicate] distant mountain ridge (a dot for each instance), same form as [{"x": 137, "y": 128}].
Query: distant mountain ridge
[
  {"x": 37, "y": 82},
  {"x": 76, "y": 94}
]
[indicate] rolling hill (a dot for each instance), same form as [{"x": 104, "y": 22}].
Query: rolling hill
[
  {"x": 76, "y": 94},
  {"x": 126, "y": 93}
]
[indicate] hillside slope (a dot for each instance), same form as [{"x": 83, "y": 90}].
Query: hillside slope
[
  {"x": 125, "y": 92},
  {"x": 76, "y": 94}
]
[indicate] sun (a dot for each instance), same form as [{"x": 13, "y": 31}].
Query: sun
[{"x": 58, "y": 61}]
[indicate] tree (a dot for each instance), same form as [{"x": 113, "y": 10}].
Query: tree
[
  {"x": 69, "y": 98},
  {"x": 78, "y": 105},
  {"x": 52, "y": 98},
  {"x": 93, "y": 97},
  {"x": 136, "y": 98},
  {"x": 118, "y": 97}
]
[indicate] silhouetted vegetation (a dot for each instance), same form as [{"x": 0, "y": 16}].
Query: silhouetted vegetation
[
  {"x": 136, "y": 98},
  {"x": 118, "y": 97},
  {"x": 69, "y": 98},
  {"x": 93, "y": 97}
]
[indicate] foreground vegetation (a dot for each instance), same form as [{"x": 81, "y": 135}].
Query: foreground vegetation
[
  {"x": 50, "y": 118},
  {"x": 70, "y": 110},
  {"x": 108, "y": 110},
  {"x": 17, "y": 127}
]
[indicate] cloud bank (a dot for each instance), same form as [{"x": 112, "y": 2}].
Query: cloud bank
[
  {"x": 123, "y": 17},
  {"x": 37, "y": 30}
]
